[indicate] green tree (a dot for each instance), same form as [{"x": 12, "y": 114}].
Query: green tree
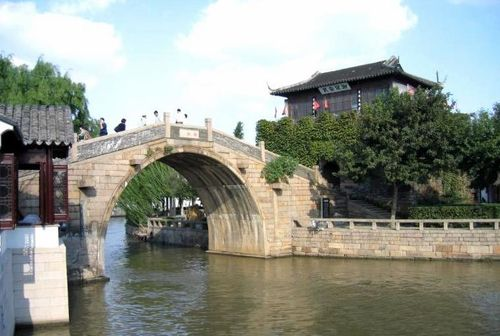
[
  {"x": 143, "y": 196},
  {"x": 238, "y": 131},
  {"x": 405, "y": 138},
  {"x": 482, "y": 151},
  {"x": 43, "y": 85}
]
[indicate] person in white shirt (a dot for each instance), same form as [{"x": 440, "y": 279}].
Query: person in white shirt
[
  {"x": 180, "y": 117},
  {"x": 157, "y": 118}
]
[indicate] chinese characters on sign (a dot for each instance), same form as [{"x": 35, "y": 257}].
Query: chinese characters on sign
[
  {"x": 334, "y": 88},
  {"x": 189, "y": 133}
]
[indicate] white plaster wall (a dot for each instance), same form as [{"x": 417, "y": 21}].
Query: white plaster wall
[
  {"x": 39, "y": 236},
  {"x": 4, "y": 127},
  {"x": 7, "y": 320}
]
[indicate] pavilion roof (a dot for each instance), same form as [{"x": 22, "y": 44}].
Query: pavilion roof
[
  {"x": 390, "y": 67},
  {"x": 40, "y": 124}
]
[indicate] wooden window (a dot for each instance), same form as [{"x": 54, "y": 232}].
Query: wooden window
[
  {"x": 60, "y": 187},
  {"x": 8, "y": 191}
]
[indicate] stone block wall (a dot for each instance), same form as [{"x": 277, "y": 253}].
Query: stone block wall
[
  {"x": 7, "y": 320},
  {"x": 386, "y": 243},
  {"x": 182, "y": 237},
  {"x": 40, "y": 285}
]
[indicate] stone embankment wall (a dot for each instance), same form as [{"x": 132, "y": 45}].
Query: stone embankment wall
[
  {"x": 178, "y": 236},
  {"x": 427, "y": 244},
  {"x": 189, "y": 237}
]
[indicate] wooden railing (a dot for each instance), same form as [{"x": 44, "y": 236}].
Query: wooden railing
[{"x": 318, "y": 224}]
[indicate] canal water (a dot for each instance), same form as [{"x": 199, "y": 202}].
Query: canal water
[{"x": 159, "y": 290}]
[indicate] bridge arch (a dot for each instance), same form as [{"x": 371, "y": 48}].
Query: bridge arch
[
  {"x": 246, "y": 215},
  {"x": 235, "y": 221}
]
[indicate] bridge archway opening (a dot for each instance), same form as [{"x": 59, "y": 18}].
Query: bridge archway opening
[
  {"x": 233, "y": 218},
  {"x": 234, "y": 221}
]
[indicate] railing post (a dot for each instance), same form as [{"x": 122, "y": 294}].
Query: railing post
[
  {"x": 166, "y": 120},
  {"x": 74, "y": 147},
  {"x": 208, "y": 125},
  {"x": 351, "y": 225},
  {"x": 421, "y": 226},
  {"x": 445, "y": 225},
  {"x": 262, "y": 146},
  {"x": 316, "y": 173},
  {"x": 496, "y": 225},
  {"x": 374, "y": 225},
  {"x": 397, "y": 226},
  {"x": 471, "y": 225}
]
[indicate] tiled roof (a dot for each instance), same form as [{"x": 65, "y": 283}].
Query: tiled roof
[
  {"x": 357, "y": 73},
  {"x": 41, "y": 124}
]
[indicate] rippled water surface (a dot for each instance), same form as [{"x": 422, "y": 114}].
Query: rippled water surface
[{"x": 158, "y": 290}]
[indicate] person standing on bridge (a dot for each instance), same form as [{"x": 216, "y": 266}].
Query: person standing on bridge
[
  {"x": 157, "y": 118},
  {"x": 121, "y": 126},
  {"x": 180, "y": 117},
  {"x": 103, "y": 128}
]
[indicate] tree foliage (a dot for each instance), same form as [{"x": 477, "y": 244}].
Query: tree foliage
[
  {"x": 405, "y": 138},
  {"x": 280, "y": 169},
  {"x": 482, "y": 150},
  {"x": 238, "y": 131},
  {"x": 143, "y": 196},
  {"x": 309, "y": 140},
  {"x": 43, "y": 85}
]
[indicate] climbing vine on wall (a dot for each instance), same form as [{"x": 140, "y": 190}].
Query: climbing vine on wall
[{"x": 309, "y": 140}]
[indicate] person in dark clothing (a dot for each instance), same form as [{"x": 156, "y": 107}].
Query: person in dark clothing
[
  {"x": 121, "y": 126},
  {"x": 103, "y": 127}
]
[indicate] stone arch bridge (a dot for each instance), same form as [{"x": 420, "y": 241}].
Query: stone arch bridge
[{"x": 245, "y": 215}]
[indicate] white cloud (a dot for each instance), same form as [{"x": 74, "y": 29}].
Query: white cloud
[
  {"x": 69, "y": 41},
  {"x": 80, "y": 6},
  {"x": 248, "y": 43}
]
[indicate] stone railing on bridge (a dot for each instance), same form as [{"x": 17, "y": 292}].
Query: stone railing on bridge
[{"x": 135, "y": 137}]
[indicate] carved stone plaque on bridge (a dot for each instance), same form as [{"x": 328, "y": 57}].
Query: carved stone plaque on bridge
[{"x": 189, "y": 133}]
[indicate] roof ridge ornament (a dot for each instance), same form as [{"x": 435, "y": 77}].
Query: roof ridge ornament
[{"x": 393, "y": 61}]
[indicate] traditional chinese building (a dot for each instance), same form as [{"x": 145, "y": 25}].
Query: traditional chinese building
[
  {"x": 348, "y": 89},
  {"x": 34, "y": 140},
  {"x": 34, "y": 146}
]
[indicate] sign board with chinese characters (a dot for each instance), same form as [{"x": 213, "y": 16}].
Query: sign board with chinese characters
[
  {"x": 189, "y": 133},
  {"x": 334, "y": 88}
]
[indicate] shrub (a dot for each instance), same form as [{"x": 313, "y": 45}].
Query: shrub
[
  {"x": 279, "y": 169},
  {"x": 491, "y": 210}
]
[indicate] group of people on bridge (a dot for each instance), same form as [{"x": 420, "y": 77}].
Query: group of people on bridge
[{"x": 103, "y": 127}]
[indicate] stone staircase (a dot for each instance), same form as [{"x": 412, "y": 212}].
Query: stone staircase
[{"x": 363, "y": 209}]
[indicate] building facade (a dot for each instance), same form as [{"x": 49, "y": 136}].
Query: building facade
[{"x": 347, "y": 89}]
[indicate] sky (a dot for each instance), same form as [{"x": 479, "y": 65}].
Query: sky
[{"x": 217, "y": 59}]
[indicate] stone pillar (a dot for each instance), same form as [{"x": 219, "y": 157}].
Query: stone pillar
[
  {"x": 317, "y": 174},
  {"x": 166, "y": 120},
  {"x": 74, "y": 147},
  {"x": 208, "y": 125},
  {"x": 262, "y": 145}
]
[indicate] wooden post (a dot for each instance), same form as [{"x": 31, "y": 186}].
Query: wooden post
[{"x": 166, "y": 120}]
